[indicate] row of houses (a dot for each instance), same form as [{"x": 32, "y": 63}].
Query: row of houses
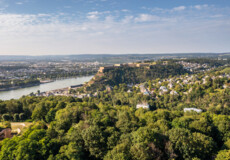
[
  {"x": 181, "y": 81},
  {"x": 107, "y": 68},
  {"x": 146, "y": 106}
]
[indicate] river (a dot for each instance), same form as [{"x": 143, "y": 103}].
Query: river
[{"x": 58, "y": 84}]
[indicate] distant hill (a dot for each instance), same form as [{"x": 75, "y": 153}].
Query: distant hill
[
  {"x": 133, "y": 75},
  {"x": 110, "y": 58}
]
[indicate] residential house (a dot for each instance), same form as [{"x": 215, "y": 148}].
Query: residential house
[
  {"x": 174, "y": 93},
  {"x": 143, "y": 105},
  {"x": 192, "y": 109}
]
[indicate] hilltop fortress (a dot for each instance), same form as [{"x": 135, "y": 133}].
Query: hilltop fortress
[{"x": 138, "y": 65}]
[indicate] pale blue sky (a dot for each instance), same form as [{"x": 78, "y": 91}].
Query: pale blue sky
[{"x": 39, "y": 27}]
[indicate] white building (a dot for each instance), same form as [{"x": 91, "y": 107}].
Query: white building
[
  {"x": 185, "y": 81},
  {"x": 129, "y": 91},
  {"x": 226, "y": 86},
  {"x": 192, "y": 109},
  {"x": 164, "y": 89},
  {"x": 143, "y": 89},
  {"x": 170, "y": 85},
  {"x": 143, "y": 105},
  {"x": 173, "y": 92}
]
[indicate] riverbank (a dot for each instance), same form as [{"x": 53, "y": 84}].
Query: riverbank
[
  {"x": 63, "y": 83},
  {"x": 37, "y": 84},
  {"x": 46, "y": 81},
  {"x": 19, "y": 87}
]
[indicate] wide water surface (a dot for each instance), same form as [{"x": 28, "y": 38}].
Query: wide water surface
[{"x": 58, "y": 84}]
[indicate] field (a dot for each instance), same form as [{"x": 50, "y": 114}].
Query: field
[
  {"x": 18, "y": 126},
  {"x": 226, "y": 70}
]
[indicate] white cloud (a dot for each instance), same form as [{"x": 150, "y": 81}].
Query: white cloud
[
  {"x": 166, "y": 10},
  {"x": 109, "y": 19},
  {"x": 199, "y": 7},
  {"x": 43, "y": 15},
  {"x": 51, "y": 34},
  {"x": 3, "y": 5},
  {"x": 93, "y": 15},
  {"x": 146, "y": 18},
  {"x": 156, "y": 9},
  {"x": 125, "y": 10},
  {"x": 180, "y": 8},
  {"x": 19, "y": 3},
  {"x": 217, "y": 16},
  {"x": 127, "y": 19}
]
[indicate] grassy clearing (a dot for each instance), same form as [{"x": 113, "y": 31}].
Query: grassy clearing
[
  {"x": 20, "y": 125},
  {"x": 16, "y": 125},
  {"x": 226, "y": 70}
]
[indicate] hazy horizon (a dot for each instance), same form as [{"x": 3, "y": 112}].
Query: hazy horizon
[{"x": 34, "y": 55}]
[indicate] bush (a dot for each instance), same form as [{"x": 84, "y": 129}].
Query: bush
[
  {"x": 16, "y": 117},
  {"x": 6, "y": 124},
  {"x": 6, "y": 117},
  {"x": 22, "y": 116}
]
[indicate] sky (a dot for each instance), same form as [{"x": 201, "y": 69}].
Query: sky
[{"x": 50, "y": 27}]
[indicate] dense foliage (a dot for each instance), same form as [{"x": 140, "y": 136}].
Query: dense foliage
[
  {"x": 83, "y": 130},
  {"x": 109, "y": 126}
]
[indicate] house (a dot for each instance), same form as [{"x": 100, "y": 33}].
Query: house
[
  {"x": 80, "y": 96},
  {"x": 164, "y": 89},
  {"x": 117, "y": 65},
  {"x": 146, "y": 93},
  {"x": 143, "y": 89},
  {"x": 185, "y": 81},
  {"x": 170, "y": 85},
  {"x": 95, "y": 94},
  {"x": 130, "y": 85},
  {"x": 226, "y": 86},
  {"x": 103, "y": 69},
  {"x": 143, "y": 105},
  {"x": 192, "y": 109},
  {"x": 89, "y": 95},
  {"x": 142, "y": 65},
  {"x": 131, "y": 65},
  {"x": 173, "y": 92},
  {"x": 129, "y": 91},
  {"x": 205, "y": 79},
  {"x": 165, "y": 62},
  {"x": 109, "y": 88}
]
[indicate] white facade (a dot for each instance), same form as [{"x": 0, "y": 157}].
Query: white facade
[
  {"x": 173, "y": 93},
  {"x": 164, "y": 89},
  {"x": 145, "y": 106},
  {"x": 192, "y": 109}
]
